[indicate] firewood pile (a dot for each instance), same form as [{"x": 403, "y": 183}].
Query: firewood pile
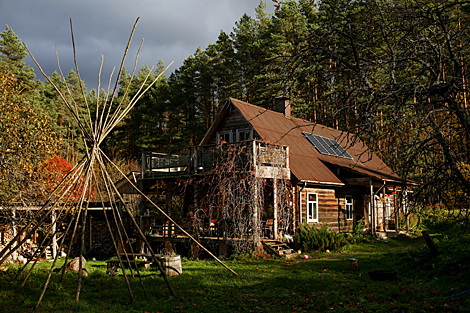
[
  {"x": 101, "y": 241},
  {"x": 26, "y": 250}
]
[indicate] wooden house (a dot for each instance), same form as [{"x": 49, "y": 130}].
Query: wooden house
[{"x": 332, "y": 176}]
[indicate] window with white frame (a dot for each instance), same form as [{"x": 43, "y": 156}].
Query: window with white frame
[
  {"x": 224, "y": 136},
  {"x": 244, "y": 135},
  {"x": 312, "y": 207},
  {"x": 349, "y": 208}
]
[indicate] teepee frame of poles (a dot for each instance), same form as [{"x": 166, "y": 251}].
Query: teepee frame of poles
[{"x": 68, "y": 203}]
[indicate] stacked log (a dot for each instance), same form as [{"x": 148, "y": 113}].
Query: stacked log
[{"x": 101, "y": 241}]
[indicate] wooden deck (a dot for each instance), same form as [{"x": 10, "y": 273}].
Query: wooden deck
[
  {"x": 203, "y": 240},
  {"x": 160, "y": 230}
]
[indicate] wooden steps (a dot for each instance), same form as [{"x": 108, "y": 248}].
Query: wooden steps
[{"x": 278, "y": 248}]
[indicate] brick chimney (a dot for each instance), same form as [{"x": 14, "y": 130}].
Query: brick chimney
[{"x": 282, "y": 105}]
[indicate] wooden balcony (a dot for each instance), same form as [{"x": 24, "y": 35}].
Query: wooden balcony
[
  {"x": 266, "y": 161},
  {"x": 158, "y": 228}
]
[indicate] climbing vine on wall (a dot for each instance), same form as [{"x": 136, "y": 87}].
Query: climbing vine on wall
[{"x": 233, "y": 198}]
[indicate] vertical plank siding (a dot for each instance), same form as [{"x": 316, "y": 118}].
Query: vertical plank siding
[{"x": 232, "y": 122}]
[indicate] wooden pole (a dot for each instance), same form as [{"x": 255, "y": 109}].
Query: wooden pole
[
  {"x": 406, "y": 212},
  {"x": 86, "y": 190},
  {"x": 54, "y": 236},
  {"x": 384, "y": 206},
  {"x": 78, "y": 208},
  {"x": 91, "y": 238},
  {"x": 76, "y": 215},
  {"x": 256, "y": 218},
  {"x": 14, "y": 233},
  {"x": 372, "y": 207},
  {"x": 275, "y": 196},
  {"x": 256, "y": 230},
  {"x": 397, "y": 213},
  {"x": 430, "y": 243}
]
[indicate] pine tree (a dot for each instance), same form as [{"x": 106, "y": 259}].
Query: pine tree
[
  {"x": 144, "y": 128},
  {"x": 12, "y": 53},
  {"x": 65, "y": 127}
]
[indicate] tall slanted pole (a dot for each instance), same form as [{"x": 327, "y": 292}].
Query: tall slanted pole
[{"x": 14, "y": 232}]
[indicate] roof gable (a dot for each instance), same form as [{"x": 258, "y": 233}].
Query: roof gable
[{"x": 306, "y": 163}]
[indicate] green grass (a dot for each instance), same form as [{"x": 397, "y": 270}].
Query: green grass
[{"x": 321, "y": 283}]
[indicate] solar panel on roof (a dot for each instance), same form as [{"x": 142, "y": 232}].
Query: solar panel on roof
[
  {"x": 318, "y": 143},
  {"x": 327, "y": 146}
]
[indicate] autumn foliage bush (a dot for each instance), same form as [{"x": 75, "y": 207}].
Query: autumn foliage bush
[
  {"x": 55, "y": 169},
  {"x": 312, "y": 238},
  {"x": 51, "y": 173}
]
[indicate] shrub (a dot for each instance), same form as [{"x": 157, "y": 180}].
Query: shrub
[
  {"x": 454, "y": 257},
  {"x": 324, "y": 238},
  {"x": 415, "y": 222},
  {"x": 444, "y": 219},
  {"x": 360, "y": 233},
  {"x": 436, "y": 219}
]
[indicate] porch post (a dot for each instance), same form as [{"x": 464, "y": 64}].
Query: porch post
[
  {"x": 384, "y": 206},
  {"x": 195, "y": 198},
  {"x": 120, "y": 226},
  {"x": 275, "y": 192},
  {"x": 372, "y": 206},
  {"x": 14, "y": 255},
  {"x": 397, "y": 212},
  {"x": 196, "y": 162},
  {"x": 366, "y": 213},
  {"x": 54, "y": 236},
  {"x": 406, "y": 212},
  {"x": 143, "y": 165},
  {"x": 256, "y": 228},
  {"x": 91, "y": 238}
]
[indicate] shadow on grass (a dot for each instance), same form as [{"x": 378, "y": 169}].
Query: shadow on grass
[{"x": 272, "y": 285}]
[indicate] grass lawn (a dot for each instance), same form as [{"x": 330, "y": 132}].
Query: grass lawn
[{"x": 321, "y": 283}]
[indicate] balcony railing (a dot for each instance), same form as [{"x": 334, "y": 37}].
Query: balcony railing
[{"x": 265, "y": 160}]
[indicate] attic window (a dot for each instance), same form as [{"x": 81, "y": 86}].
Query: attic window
[
  {"x": 244, "y": 135},
  {"x": 224, "y": 136},
  {"x": 327, "y": 146}
]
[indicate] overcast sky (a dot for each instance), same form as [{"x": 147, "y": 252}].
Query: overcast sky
[{"x": 172, "y": 30}]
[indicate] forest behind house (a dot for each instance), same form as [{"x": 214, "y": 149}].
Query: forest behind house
[{"x": 393, "y": 72}]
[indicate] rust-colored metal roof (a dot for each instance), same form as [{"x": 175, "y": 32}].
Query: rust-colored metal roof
[{"x": 306, "y": 163}]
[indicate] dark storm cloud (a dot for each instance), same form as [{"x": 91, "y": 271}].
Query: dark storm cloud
[{"x": 172, "y": 30}]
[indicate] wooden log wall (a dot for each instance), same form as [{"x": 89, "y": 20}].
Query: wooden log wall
[
  {"x": 331, "y": 208},
  {"x": 357, "y": 193}
]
